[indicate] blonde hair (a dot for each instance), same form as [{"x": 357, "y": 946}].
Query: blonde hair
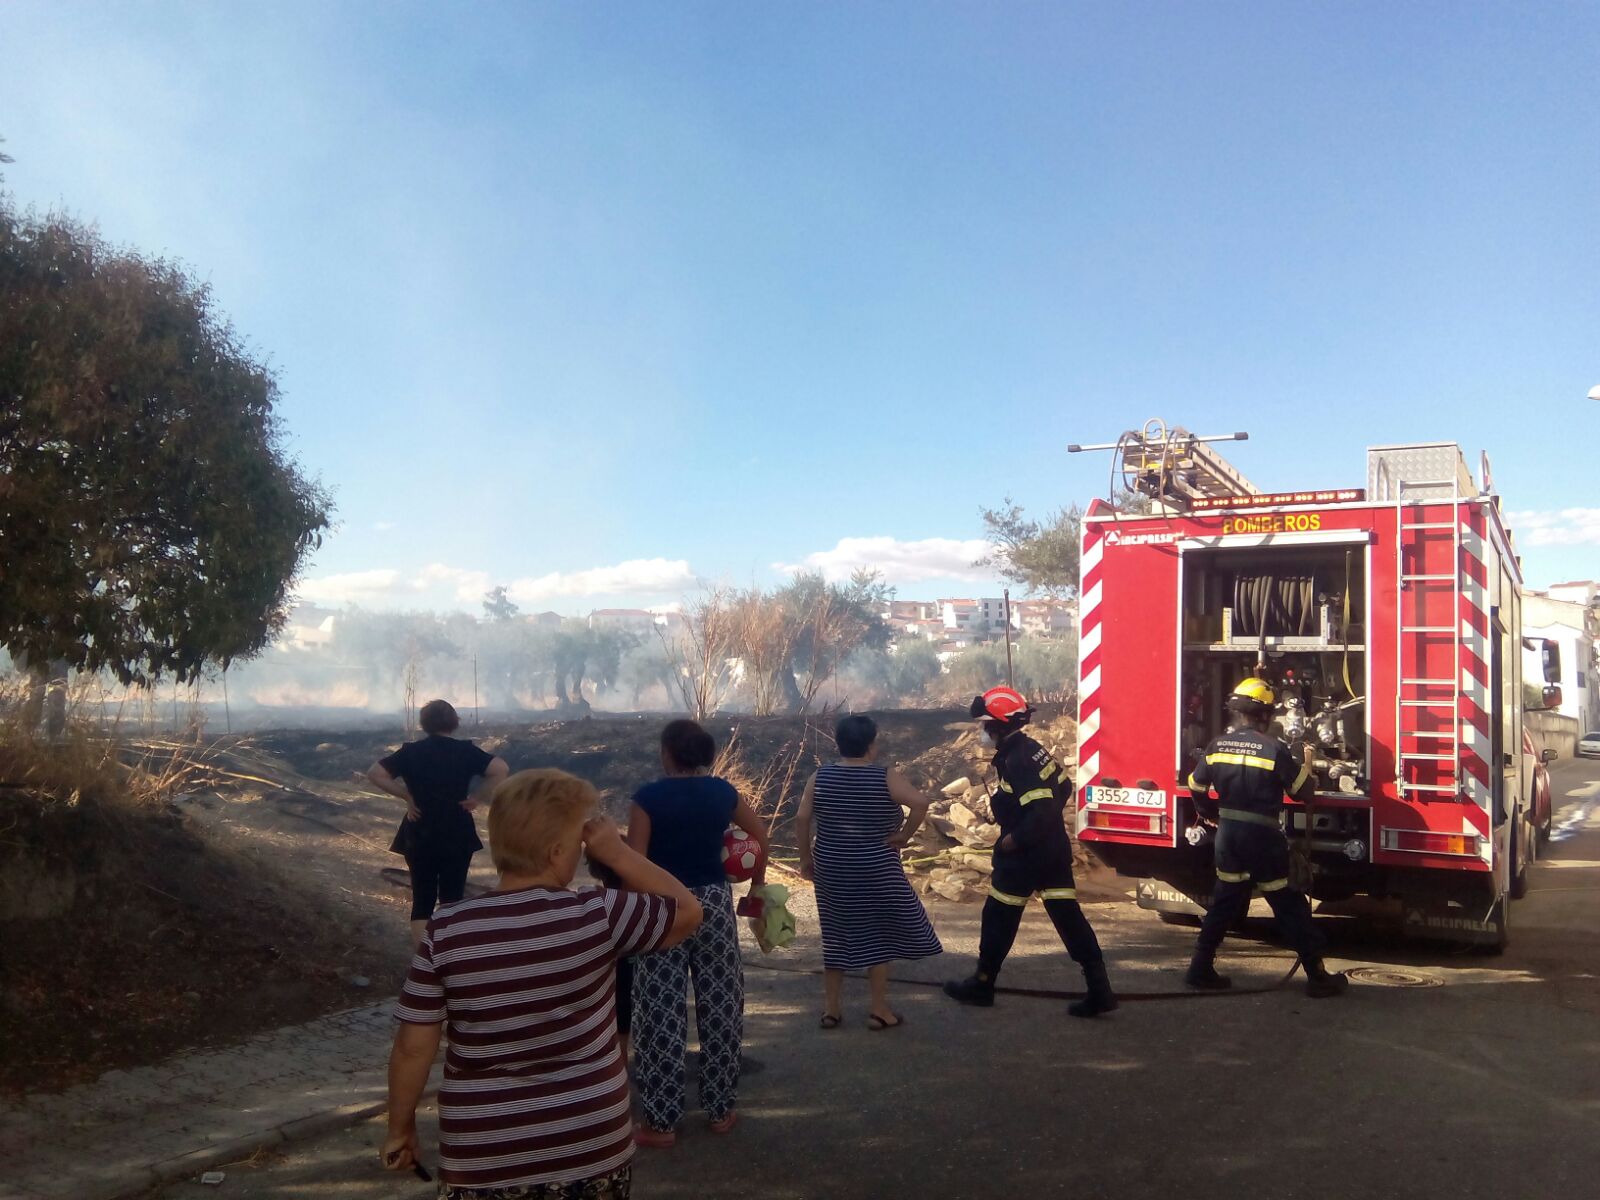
[{"x": 531, "y": 813}]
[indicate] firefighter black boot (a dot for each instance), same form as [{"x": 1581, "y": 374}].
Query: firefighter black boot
[
  {"x": 1322, "y": 983},
  {"x": 1097, "y": 996},
  {"x": 1202, "y": 975},
  {"x": 977, "y": 991}
]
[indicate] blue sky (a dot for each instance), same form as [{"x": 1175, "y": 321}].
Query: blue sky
[{"x": 598, "y": 299}]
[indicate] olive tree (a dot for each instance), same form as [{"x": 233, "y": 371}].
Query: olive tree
[{"x": 151, "y": 520}]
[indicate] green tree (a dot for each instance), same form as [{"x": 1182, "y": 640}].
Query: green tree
[
  {"x": 497, "y": 606},
  {"x": 151, "y": 519},
  {"x": 916, "y": 667},
  {"x": 831, "y": 621},
  {"x": 1041, "y": 556},
  {"x": 514, "y": 657},
  {"x": 392, "y": 649},
  {"x": 903, "y": 672},
  {"x": 580, "y": 652},
  {"x": 645, "y": 667}
]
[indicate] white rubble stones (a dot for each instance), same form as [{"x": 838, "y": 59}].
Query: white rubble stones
[
  {"x": 962, "y": 816},
  {"x": 950, "y": 857}
]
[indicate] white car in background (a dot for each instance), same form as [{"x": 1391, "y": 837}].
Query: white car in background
[{"x": 1589, "y": 745}]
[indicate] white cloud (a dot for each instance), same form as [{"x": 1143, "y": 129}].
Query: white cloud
[
  {"x": 383, "y": 526},
  {"x": 901, "y": 562},
  {"x": 1557, "y": 527},
  {"x": 353, "y": 587},
  {"x": 470, "y": 585},
  {"x": 639, "y": 576}
]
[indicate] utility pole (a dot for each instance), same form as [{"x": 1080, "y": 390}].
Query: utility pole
[
  {"x": 474, "y": 689},
  {"x": 1010, "y": 682}
]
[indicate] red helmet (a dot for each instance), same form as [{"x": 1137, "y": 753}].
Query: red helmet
[{"x": 1001, "y": 704}]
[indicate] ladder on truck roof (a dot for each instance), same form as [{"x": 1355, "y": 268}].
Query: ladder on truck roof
[
  {"x": 1412, "y": 643},
  {"x": 1174, "y": 467}
]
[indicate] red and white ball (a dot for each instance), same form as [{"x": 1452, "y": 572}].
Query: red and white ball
[{"x": 741, "y": 854}]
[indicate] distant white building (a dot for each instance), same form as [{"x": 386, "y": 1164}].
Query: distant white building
[
  {"x": 973, "y": 620},
  {"x": 309, "y": 627},
  {"x": 898, "y": 612},
  {"x": 1044, "y": 618},
  {"x": 1567, "y": 614}
]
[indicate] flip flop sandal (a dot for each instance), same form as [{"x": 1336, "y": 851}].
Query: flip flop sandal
[
  {"x": 829, "y": 1021},
  {"x": 726, "y": 1124},
  {"x": 657, "y": 1139},
  {"x": 877, "y": 1024}
]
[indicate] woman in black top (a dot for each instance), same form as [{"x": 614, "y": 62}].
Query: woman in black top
[{"x": 438, "y": 835}]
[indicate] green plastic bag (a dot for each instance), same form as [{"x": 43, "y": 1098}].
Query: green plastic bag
[{"x": 774, "y": 929}]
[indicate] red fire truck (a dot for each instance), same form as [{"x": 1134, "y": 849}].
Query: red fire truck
[{"x": 1387, "y": 617}]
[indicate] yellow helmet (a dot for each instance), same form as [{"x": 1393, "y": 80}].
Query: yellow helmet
[{"x": 1257, "y": 690}]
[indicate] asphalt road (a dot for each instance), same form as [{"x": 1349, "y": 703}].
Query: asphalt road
[{"x": 1481, "y": 1080}]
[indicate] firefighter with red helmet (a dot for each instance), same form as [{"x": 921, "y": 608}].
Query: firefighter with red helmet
[
  {"x": 1251, "y": 770},
  {"x": 1033, "y": 856}
]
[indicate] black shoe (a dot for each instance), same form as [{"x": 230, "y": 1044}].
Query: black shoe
[
  {"x": 1204, "y": 977},
  {"x": 1097, "y": 997},
  {"x": 1322, "y": 984},
  {"x": 974, "y": 991}
]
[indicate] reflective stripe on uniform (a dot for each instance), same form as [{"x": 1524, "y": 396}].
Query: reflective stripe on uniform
[
  {"x": 1196, "y": 786},
  {"x": 1249, "y": 818},
  {"x": 1233, "y": 876},
  {"x": 1005, "y": 787},
  {"x": 1008, "y": 898},
  {"x": 1070, "y": 893},
  {"x": 1049, "y": 770},
  {"x": 1300, "y": 779},
  {"x": 1272, "y": 885},
  {"x": 1241, "y": 760},
  {"x": 1036, "y": 794}
]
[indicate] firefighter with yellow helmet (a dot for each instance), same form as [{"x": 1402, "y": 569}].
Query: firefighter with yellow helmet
[
  {"x": 1250, "y": 771},
  {"x": 1032, "y": 857}
]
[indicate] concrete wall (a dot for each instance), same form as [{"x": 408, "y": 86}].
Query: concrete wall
[{"x": 1554, "y": 731}]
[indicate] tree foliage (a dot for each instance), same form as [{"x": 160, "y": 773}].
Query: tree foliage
[
  {"x": 764, "y": 631},
  {"x": 1041, "y": 556},
  {"x": 498, "y": 606},
  {"x": 151, "y": 521},
  {"x": 700, "y": 651},
  {"x": 830, "y": 622}
]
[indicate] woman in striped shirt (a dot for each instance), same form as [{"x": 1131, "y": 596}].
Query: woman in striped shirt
[{"x": 535, "y": 1103}]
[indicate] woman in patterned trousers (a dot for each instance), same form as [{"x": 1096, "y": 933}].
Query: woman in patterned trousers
[{"x": 678, "y": 823}]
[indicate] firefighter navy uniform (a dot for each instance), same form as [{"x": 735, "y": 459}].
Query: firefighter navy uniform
[
  {"x": 1033, "y": 857},
  {"x": 1029, "y": 805},
  {"x": 1250, "y": 771}
]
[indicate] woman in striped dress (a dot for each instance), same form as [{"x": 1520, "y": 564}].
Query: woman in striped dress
[{"x": 851, "y": 829}]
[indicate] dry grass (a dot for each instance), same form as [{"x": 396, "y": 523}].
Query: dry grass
[
  {"x": 92, "y": 763},
  {"x": 774, "y": 787}
]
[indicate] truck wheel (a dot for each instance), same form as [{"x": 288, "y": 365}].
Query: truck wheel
[{"x": 1519, "y": 861}]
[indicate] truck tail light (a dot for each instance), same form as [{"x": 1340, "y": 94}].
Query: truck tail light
[
  {"x": 1118, "y": 822},
  {"x": 1419, "y": 841}
]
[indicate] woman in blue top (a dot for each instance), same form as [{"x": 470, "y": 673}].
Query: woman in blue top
[{"x": 678, "y": 823}]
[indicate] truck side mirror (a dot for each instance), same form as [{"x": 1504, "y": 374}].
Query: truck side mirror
[
  {"x": 1552, "y": 696},
  {"x": 1548, "y": 755},
  {"x": 1550, "y": 657}
]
